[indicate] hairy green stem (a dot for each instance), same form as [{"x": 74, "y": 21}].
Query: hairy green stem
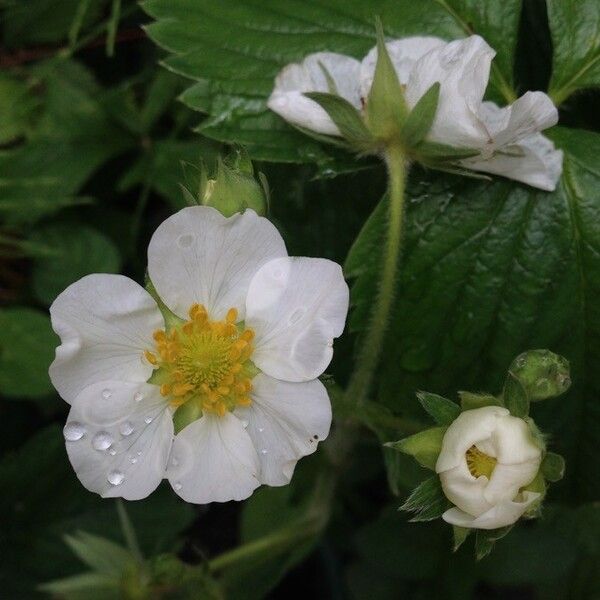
[{"x": 368, "y": 356}]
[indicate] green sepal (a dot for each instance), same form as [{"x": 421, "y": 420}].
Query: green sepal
[
  {"x": 515, "y": 396},
  {"x": 485, "y": 540},
  {"x": 386, "y": 109},
  {"x": 459, "y": 534},
  {"x": 187, "y": 413},
  {"x": 347, "y": 119},
  {"x": 553, "y": 467},
  {"x": 538, "y": 485},
  {"x": 424, "y": 446},
  {"x": 427, "y": 501},
  {"x": 471, "y": 400},
  {"x": 442, "y": 410},
  {"x": 431, "y": 153},
  {"x": 323, "y": 138},
  {"x": 420, "y": 119},
  {"x": 542, "y": 373},
  {"x": 171, "y": 319}
]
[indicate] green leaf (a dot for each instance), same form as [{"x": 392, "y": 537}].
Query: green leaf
[
  {"x": 17, "y": 108},
  {"x": 427, "y": 501},
  {"x": 420, "y": 118},
  {"x": 345, "y": 116},
  {"x": 26, "y": 351},
  {"x": 490, "y": 270},
  {"x": 73, "y": 138},
  {"x": 73, "y": 251},
  {"x": 233, "y": 70},
  {"x": 442, "y": 410},
  {"x": 425, "y": 446},
  {"x": 576, "y": 63},
  {"x": 515, "y": 396},
  {"x": 98, "y": 553},
  {"x": 470, "y": 400},
  {"x": 553, "y": 466}
]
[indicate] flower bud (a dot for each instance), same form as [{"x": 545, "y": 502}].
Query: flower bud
[
  {"x": 233, "y": 188},
  {"x": 542, "y": 373}
]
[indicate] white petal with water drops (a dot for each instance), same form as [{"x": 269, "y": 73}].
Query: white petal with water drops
[
  {"x": 121, "y": 454},
  {"x": 296, "y": 306},
  {"x": 285, "y": 422},
  {"x": 215, "y": 461}
]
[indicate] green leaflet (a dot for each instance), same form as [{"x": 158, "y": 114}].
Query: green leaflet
[
  {"x": 490, "y": 269},
  {"x": 234, "y": 70},
  {"x": 575, "y": 27}
]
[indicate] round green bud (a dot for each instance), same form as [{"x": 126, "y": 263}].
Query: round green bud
[
  {"x": 542, "y": 373},
  {"x": 234, "y": 190}
]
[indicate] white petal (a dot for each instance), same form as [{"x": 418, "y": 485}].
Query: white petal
[
  {"x": 531, "y": 113},
  {"x": 464, "y": 490},
  {"x": 198, "y": 255},
  {"x": 501, "y": 515},
  {"x": 507, "y": 480},
  {"x": 404, "y": 53},
  {"x": 514, "y": 442},
  {"x": 462, "y": 68},
  {"x": 285, "y": 422},
  {"x": 213, "y": 460},
  {"x": 118, "y": 437},
  {"x": 296, "y": 306},
  {"x": 105, "y": 322},
  {"x": 288, "y": 100},
  {"x": 470, "y": 427},
  {"x": 534, "y": 161}
]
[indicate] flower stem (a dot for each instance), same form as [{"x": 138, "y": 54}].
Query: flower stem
[{"x": 368, "y": 357}]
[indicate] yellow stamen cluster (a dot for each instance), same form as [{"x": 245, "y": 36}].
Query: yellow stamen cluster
[
  {"x": 204, "y": 361},
  {"x": 480, "y": 463}
]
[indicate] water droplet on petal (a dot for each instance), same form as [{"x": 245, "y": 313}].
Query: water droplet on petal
[
  {"x": 73, "y": 431},
  {"x": 116, "y": 477},
  {"x": 177, "y": 486},
  {"x": 264, "y": 451},
  {"x": 106, "y": 394},
  {"x": 244, "y": 424},
  {"x": 139, "y": 452},
  {"x": 133, "y": 460},
  {"x": 112, "y": 451},
  {"x": 185, "y": 241},
  {"x": 148, "y": 420},
  {"x": 138, "y": 396},
  {"x": 174, "y": 462},
  {"x": 102, "y": 441},
  {"x": 126, "y": 428}
]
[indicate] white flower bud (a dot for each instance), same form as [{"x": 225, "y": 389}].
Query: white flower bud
[{"x": 487, "y": 458}]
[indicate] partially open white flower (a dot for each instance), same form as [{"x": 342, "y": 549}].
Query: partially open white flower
[
  {"x": 508, "y": 138},
  {"x": 487, "y": 458},
  {"x": 255, "y": 330}
]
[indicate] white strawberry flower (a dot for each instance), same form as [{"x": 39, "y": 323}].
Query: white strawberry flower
[
  {"x": 487, "y": 458},
  {"x": 508, "y": 138},
  {"x": 255, "y": 329}
]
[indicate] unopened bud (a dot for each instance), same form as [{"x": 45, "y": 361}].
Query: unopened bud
[{"x": 542, "y": 373}]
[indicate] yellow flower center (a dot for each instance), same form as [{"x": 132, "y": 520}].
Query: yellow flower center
[
  {"x": 204, "y": 361},
  {"x": 480, "y": 463}
]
